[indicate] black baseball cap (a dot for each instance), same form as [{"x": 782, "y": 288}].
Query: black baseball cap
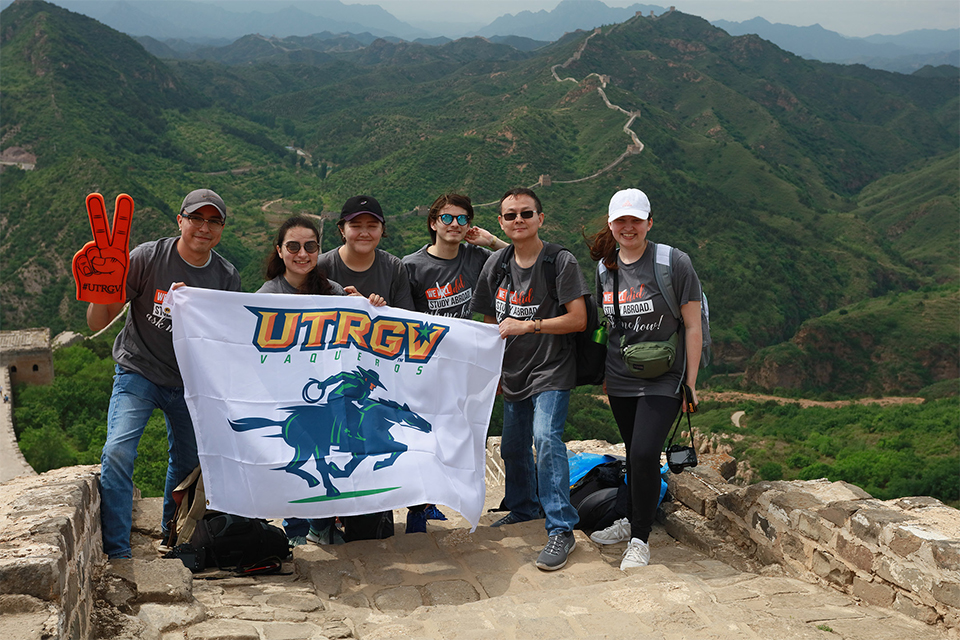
[{"x": 358, "y": 205}]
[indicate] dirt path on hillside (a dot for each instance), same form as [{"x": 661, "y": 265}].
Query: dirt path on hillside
[{"x": 738, "y": 396}]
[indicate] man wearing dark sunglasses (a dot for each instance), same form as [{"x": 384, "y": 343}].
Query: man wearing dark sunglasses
[
  {"x": 147, "y": 376},
  {"x": 538, "y": 368},
  {"x": 444, "y": 273}
]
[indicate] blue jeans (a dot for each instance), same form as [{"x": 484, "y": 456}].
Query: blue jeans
[
  {"x": 133, "y": 400},
  {"x": 538, "y": 421}
]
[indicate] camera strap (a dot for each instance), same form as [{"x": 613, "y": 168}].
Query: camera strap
[{"x": 684, "y": 399}]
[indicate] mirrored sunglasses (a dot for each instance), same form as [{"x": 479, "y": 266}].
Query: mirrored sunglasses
[
  {"x": 294, "y": 247},
  {"x": 447, "y": 218},
  {"x": 526, "y": 215}
]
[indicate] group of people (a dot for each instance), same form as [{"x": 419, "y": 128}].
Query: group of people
[{"x": 465, "y": 270}]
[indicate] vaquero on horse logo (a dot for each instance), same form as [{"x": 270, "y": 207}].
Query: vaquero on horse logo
[
  {"x": 349, "y": 422},
  {"x": 391, "y": 338}
]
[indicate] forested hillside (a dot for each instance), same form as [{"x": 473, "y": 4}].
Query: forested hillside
[{"x": 799, "y": 189}]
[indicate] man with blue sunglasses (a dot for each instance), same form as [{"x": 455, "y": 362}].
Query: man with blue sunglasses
[{"x": 443, "y": 274}]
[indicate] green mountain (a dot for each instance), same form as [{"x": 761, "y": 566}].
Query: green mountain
[
  {"x": 791, "y": 183},
  {"x": 900, "y": 343}
]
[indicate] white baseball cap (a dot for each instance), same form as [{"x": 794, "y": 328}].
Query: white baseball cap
[{"x": 629, "y": 202}]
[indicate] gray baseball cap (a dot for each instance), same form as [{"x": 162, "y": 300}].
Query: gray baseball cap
[{"x": 200, "y": 198}]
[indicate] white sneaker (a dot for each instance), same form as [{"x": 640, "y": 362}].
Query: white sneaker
[
  {"x": 617, "y": 532},
  {"x": 636, "y": 555}
]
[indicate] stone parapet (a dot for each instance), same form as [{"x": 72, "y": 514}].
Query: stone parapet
[
  {"x": 899, "y": 555},
  {"x": 12, "y": 462},
  {"x": 50, "y": 551},
  {"x": 902, "y": 554}
]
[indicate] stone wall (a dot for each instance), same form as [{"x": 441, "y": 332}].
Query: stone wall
[
  {"x": 12, "y": 462},
  {"x": 50, "y": 551},
  {"x": 901, "y": 554}
]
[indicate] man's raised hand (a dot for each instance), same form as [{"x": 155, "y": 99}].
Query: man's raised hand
[{"x": 100, "y": 267}]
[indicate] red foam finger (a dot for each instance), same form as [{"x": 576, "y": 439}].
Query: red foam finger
[
  {"x": 100, "y": 267},
  {"x": 97, "y": 213},
  {"x": 122, "y": 219}
]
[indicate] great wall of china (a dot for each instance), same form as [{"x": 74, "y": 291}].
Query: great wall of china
[{"x": 812, "y": 559}]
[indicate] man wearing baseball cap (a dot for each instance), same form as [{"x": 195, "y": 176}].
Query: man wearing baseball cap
[{"x": 147, "y": 376}]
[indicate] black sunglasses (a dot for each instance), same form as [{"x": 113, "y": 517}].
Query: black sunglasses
[
  {"x": 294, "y": 247},
  {"x": 447, "y": 218},
  {"x": 526, "y": 215}
]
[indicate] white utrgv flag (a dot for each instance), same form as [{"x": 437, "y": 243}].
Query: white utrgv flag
[{"x": 313, "y": 406}]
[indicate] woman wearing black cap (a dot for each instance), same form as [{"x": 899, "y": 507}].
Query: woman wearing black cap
[
  {"x": 358, "y": 264},
  {"x": 364, "y": 269}
]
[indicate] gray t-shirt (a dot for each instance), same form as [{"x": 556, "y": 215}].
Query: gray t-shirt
[
  {"x": 532, "y": 363},
  {"x": 645, "y": 317},
  {"x": 145, "y": 345},
  {"x": 444, "y": 287},
  {"x": 385, "y": 277},
  {"x": 280, "y": 285}
]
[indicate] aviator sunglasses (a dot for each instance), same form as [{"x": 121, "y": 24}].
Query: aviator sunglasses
[
  {"x": 447, "y": 218},
  {"x": 294, "y": 247},
  {"x": 526, "y": 215}
]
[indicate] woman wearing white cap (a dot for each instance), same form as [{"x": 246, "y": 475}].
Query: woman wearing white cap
[{"x": 644, "y": 407}]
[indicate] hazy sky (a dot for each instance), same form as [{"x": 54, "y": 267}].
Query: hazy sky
[{"x": 849, "y": 17}]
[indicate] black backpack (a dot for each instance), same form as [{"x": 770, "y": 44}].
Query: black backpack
[
  {"x": 591, "y": 356},
  {"x": 601, "y": 496},
  {"x": 202, "y": 539},
  {"x": 251, "y": 545}
]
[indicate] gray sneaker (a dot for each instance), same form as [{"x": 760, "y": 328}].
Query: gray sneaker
[
  {"x": 554, "y": 555},
  {"x": 617, "y": 532}
]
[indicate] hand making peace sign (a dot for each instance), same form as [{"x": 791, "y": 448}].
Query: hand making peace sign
[{"x": 100, "y": 267}]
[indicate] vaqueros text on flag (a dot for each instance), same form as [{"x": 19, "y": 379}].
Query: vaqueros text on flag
[{"x": 313, "y": 406}]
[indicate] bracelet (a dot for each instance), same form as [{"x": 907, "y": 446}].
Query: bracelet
[
  {"x": 536, "y": 325},
  {"x": 493, "y": 243}
]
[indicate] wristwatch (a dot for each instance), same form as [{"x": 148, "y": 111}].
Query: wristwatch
[{"x": 536, "y": 325}]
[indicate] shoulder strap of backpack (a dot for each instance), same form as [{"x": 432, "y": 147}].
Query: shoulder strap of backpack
[
  {"x": 503, "y": 271},
  {"x": 616, "y": 297},
  {"x": 550, "y": 251},
  {"x": 663, "y": 269},
  {"x": 191, "y": 502}
]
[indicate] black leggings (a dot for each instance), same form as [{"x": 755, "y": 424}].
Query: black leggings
[{"x": 644, "y": 423}]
